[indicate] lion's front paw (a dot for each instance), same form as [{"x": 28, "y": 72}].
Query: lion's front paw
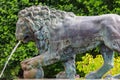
[
  {"x": 32, "y": 68},
  {"x": 30, "y": 73},
  {"x": 92, "y": 75},
  {"x": 29, "y": 64}
]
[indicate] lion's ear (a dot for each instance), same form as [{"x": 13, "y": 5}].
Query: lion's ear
[{"x": 30, "y": 24}]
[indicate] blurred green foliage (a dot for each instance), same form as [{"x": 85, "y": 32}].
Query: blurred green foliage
[
  {"x": 88, "y": 64},
  {"x": 8, "y": 18}
]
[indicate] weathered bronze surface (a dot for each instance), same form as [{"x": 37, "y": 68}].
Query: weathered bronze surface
[{"x": 60, "y": 35}]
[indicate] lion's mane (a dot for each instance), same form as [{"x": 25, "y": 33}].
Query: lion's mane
[{"x": 44, "y": 15}]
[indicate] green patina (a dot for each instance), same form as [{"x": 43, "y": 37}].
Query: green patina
[{"x": 60, "y": 35}]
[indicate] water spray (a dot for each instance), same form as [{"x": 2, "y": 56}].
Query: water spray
[{"x": 14, "y": 49}]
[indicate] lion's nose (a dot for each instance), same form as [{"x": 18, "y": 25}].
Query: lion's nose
[{"x": 19, "y": 36}]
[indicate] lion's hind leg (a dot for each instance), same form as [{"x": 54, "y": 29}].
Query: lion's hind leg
[{"x": 108, "y": 64}]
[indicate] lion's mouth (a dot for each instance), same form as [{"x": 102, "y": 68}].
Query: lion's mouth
[
  {"x": 26, "y": 39},
  {"x": 23, "y": 38}
]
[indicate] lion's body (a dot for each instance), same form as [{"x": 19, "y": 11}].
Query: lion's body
[
  {"x": 87, "y": 32},
  {"x": 61, "y": 35}
]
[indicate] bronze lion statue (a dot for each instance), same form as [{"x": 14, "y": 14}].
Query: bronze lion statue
[{"x": 60, "y": 35}]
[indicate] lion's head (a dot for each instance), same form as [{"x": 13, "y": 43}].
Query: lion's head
[
  {"x": 23, "y": 33},
  {"x": 35, "y": 18}
]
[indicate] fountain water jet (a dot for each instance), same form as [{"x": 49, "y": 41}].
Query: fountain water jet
[{"x": 14, "y": 49}]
